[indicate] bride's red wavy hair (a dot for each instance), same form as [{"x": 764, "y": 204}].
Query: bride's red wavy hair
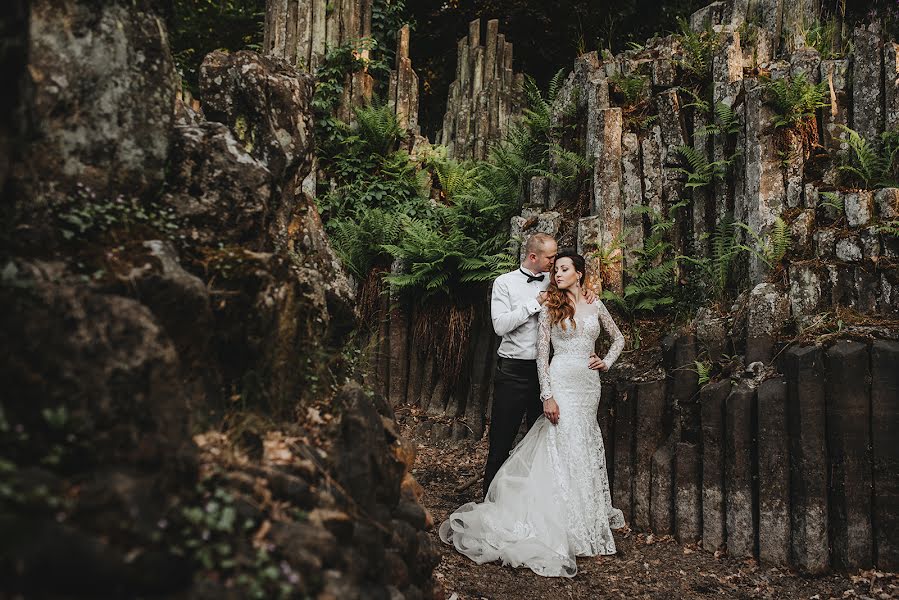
[{"x": 560, "y": 307}]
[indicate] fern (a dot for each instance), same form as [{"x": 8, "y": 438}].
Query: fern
[
  {"x": 873, "y": 164},
  {"x": 771, "y": 246},
  {"x": 630, "y": 89},
  {"x": 824, "y": 37},
  {"x": 555, "y": 85},
  {"x": 358, "y": 240},
  {"x": 699, "y": 171},
  {"x": 698, "y": 50},
  {"x": 833, "y": 202},
  {"x": 697, "y": 101},
  {"x": 890, "y": 228},
  {"x": 726, "y": 121},
  {"x": 714, "y": 271},
  {"x": 777, "y": 242},
  {"x": 378, "y": 128},
  {"x": 703, "y": 371},
  {"x": 795, "y": 99}
]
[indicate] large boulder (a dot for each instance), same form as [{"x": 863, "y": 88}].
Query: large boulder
[
  {"x": 102, "y": 360},
  {"x": 266, "y": 103},
  {"x": 102, "y": 104},
  {"x": 94, "y": 438},
  {"x": 267, "y": 106},
  {"x": 220, "y": 192}
]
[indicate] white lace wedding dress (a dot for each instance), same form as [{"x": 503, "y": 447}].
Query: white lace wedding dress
[{"x": 550, "y": 500}]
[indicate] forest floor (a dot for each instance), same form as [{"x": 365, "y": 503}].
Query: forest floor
[{"x": 646, "y": 566}]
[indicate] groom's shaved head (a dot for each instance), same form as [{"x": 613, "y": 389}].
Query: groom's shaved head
[{"x": 537, "y": 243}]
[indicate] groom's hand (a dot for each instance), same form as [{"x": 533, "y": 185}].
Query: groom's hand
[
  {"x": 551, "y": 410},
  {"x": 589, "y": 296}
]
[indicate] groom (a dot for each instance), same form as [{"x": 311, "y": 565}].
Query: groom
[{"x": 514, "y": 306}]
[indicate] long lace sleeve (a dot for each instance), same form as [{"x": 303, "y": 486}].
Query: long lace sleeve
[
  {"x": 617, "y": 338},
  {"x": 543, "y": 340}
]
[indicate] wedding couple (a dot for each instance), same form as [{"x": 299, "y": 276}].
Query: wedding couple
[{"x": 548, "y": 501}]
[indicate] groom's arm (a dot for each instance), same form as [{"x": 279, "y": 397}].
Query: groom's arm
[{"x": 504, "y": 318}]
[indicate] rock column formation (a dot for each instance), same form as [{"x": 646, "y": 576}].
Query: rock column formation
[
  {"x": 482, "y": 99},
  {"x": 302, "y": 31},
  {"x": 402, "y": 93}
]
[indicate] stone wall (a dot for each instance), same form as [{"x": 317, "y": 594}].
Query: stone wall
[
  {"x": 483, "y": 97},
  {"x": 795, "y": 467}
]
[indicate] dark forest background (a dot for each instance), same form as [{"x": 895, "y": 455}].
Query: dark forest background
[{"x": 547, "y": 34}]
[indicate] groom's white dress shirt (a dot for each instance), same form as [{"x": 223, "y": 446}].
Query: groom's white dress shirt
[{"x": 513, "y": 309}]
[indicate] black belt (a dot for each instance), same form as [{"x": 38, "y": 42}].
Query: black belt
[{"x": 516, "y": 362}]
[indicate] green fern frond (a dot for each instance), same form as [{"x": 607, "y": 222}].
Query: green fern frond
[
  {"x": 378, "y": 127},
  {"x": 795, "y": 99},
  {"x": 555, "y": 85},
  {"x": 872, "y": 163},
  {"x": 703, "y": 371}
]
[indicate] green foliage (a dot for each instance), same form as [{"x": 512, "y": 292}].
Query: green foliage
[
  {"x": 649, "y": 291},
  {"x": 330, "y": 78},
  {"x": 359, "y": 240},
  {"x": 463, "y": 243},
  {"x": 534, "y": 145},
  {"x": 375, "y": 184},
  {"x": 776, "y": 243},
  {"x": 795, "y": 99},
  {"x": 87, "y": 216},
  {"x": 833, "y": 202},
  {"x": 712, "y": 273},
  {"x": 211, "y": 534},
  {"x": 651, "y": 281},
  {"x": 378, "y": 129},
  {"x": 873, "y": 164},
  {"x": 890, "y": 228},
  {"x": 825, "y": 38},
  {"x": 631, "y": 89},
  {"x": 197, "y": 27},
  {"x": 698, "y": 50},
  {"x": 726, "y": 121},
  {"x": 703, "y": 371},
  {"x": 699, "y": 171},
  {"x": 387, "y": 17},
  {"x": 771, "y": 246}
]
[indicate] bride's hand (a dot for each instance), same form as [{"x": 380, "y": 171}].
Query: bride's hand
[
  {"x": 551, "y": 410},
  {"x": 597, "y": 364}
]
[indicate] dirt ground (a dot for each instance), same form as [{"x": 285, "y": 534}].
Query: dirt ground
[{"x": 645, "y": 566}]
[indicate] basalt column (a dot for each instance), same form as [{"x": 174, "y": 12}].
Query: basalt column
[
  {"x": 483, "y": 97},
  {"x": 301, "y": 31},
  {"x": 402, "y": 93}
]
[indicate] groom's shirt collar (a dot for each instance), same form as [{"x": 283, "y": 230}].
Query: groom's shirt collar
[{"x": 526, "y": 270}]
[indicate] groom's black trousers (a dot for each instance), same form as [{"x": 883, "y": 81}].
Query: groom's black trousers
[{"x": 516, "y": 393}]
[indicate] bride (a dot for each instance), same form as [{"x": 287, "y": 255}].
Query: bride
[{"x": 550, "y": 500}]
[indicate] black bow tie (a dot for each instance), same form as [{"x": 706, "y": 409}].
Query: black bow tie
[{"x": 532, "y": 277}]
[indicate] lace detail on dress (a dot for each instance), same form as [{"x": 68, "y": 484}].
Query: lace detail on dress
[
  {"x": 543, "y": 341},
  {"x": 617, "y": 339}
]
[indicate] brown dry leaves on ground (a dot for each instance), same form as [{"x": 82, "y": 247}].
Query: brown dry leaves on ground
[{"x": 645, "y": 567}]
